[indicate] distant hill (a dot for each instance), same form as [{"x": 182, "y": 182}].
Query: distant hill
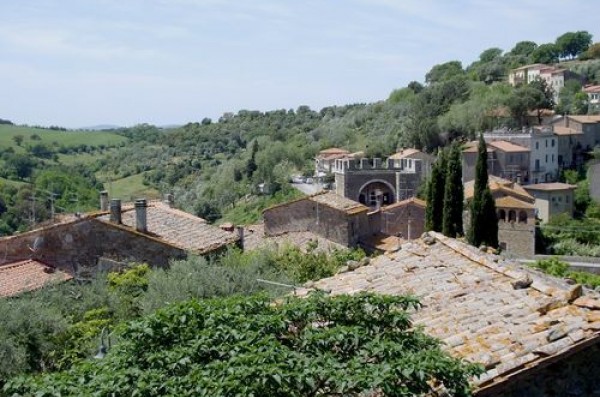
[{"x": 101, "y": 127}]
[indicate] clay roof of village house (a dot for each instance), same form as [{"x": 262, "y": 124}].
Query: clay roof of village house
[
  {"x": 512, "y": 202},
  {"x": 28, "y": 275},
  {"x": 533, "y": 66},
  {"x": 471, "y": 303},
  {"x": 404, "y": 153},
  {"x": 473, "y": 147},
  {"x": 591, "y": 89},
  {"x": 176, "y": 228},
  {"x": 403, "y": 203},
  {"x": 506, "y": 146},
  {"x": 591, "y": 119},
  {"x": 558, "y": 130},
  {"x": 255, "y": 238},
  {"x": 337, "y": 202},
  {"x": 550, "y": 186},
  {"x": 503, "y": 185}
]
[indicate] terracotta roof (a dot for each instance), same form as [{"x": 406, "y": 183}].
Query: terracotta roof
[
  {"x": 412, "y": 200},
  {"x": 499, "y": 184},
  {"x": 334, "y": 150},
  {"x": 28, "y": 275},
  {"x": 558, "y": 130},
  {"x": 551, "y": 186},
  {"x": 177, "y": 228},
  {"x": 513, "y": 202},
  {"x": 533, "y": 66},
  {"x": 332, "y": 200},
  {"x": 404, "y": 154},
  {"x": 472, "y": 302},
  {"x": 506, "y": 146},
  {"x": 473, "y": 147},
  {"x": 592, "y": 89},
  {"x": 586, "y": 119}
]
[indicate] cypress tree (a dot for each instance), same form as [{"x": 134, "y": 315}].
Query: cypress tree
[
  {"x": 435, "y": 195},
  {"x": 452, "y": 224},
  {"x": 484, "y": 222}
]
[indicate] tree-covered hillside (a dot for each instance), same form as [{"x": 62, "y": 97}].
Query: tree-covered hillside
[{"x": 215, "y": 168}]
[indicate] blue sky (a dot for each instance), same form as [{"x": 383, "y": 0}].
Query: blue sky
[{"x": 84, "y": 62}]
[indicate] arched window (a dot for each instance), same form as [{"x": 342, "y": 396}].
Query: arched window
[
  {"x": 512, "y": 216},
  {"x": 522, "y": 217},
  {"x": 502, "y": 215}
]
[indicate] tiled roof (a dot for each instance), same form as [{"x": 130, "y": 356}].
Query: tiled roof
[
  {"x": 412, "y": 200},
  {"x": 533, "y": 66},
  {"x": 334, "y": 150},
  {"x": 178, "y": 228},
  {"x": 512, "y": 202},
  {"x": 591, "y": 89},
  {"x": 586, "y": 119},
  {"x": 506, "y": 146},
  {"x": 473, "y": 147},
  {"x": 503, "y": 185},
  {"x": 484, "y": 308},
  {"x": 550, "y": 186},
  {"x": 332, "y": 153},
  {"x": 333, "y": 200},
  {"x": 404, "y": 154},
  {"x": 558, "y": 130},
  {"x": 28, "y": 275}
]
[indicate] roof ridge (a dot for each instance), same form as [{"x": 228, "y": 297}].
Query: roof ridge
[{"x": 538, "y": 282}]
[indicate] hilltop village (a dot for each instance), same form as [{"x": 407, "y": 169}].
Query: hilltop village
[{"x": 164, "y": 247}]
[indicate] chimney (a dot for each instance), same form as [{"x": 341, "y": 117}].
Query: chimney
[
  {"x": 115, "y": 211},
  {"x": 104, "y": 200},
  {"x": 140, "y": 215},
  {"x": 170, "y": 200}
]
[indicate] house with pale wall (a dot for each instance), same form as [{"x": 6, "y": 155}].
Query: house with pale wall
[
  {"x": 404, "y": 158},
  {"x": 552, "y": 199},
  {"x": 325, "y": 160},
  {"x": 554, "y": 77},
  {"x": 505, "y": 159},
  {"x": 543, "y": 150},
  {"x": 593, "y": 94},
  {"x": 151, "y": 232}
]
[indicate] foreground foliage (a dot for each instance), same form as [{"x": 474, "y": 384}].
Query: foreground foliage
[
  {"x": 58, "y": 326},
  {"x": 344, "y": 345},
  {"x": 556, "y": 267}
]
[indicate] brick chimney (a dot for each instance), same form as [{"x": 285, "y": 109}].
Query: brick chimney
[
  {"x": 170, "y": 200},
  {"x": 140, "y": 215},
  {"x": 115, "y": 211},
  {"x": 104, "y": 200}
]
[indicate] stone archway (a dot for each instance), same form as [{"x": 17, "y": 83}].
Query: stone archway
[{"x": 376, "y": 193}]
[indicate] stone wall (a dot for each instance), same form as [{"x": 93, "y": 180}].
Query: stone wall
[
  {"x": 395, "y": 221},
  {"x": 403, "y": 185},
  {"x": 575, "y": 376},
  {"x": 80, "y": 244},
  {"x": 517, "y": 238},
  {"x": 307, "y": 215}
]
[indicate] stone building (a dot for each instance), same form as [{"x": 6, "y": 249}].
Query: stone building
[
  {"x": 584, "y": 130},
  {"x": 326, "y": 160},
  {"x": 374, "y": 183},
  {"x": 325, "y": 214},
  {"x": 151, "y": 232},
  {"x": 515, "y": 213},
  {"x": 535, "y": 335},
  {"x": 405, "y": 219},
  {"x": 552, "y": 199},
  {"x": 405, "y": 157}
]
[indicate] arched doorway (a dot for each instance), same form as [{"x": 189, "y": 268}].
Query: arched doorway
[{"x": 376, "y": 194}]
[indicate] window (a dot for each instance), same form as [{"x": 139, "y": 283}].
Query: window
[
  {"x": 522, "y": 217},
  {"x": 537, "y": 145},
  {"x": 546, "y": 158},
  {"x": 512, "y": 216},
  {"x": 546, "y": 143},
  {"x": 502, "y": 215},
  {"x": 560, "y": 199},
  {"x": 552, "y": 142}
]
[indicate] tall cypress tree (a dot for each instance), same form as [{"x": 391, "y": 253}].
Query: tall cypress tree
[
  {"x": 435, "y": 195},
  {"x": 484, "y": 222},
  {"x": 452, "y": 223}
]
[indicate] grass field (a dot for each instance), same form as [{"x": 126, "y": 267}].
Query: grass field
[
  {"x": 130, "y": 188},
  {"x": 49, "y": 137},
  {"x": 83, "y": 158}
]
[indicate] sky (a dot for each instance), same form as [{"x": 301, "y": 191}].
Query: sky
[{"x": 78, "y": 63}]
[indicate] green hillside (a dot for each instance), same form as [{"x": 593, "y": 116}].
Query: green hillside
[{"x": 56, "y": 138}]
